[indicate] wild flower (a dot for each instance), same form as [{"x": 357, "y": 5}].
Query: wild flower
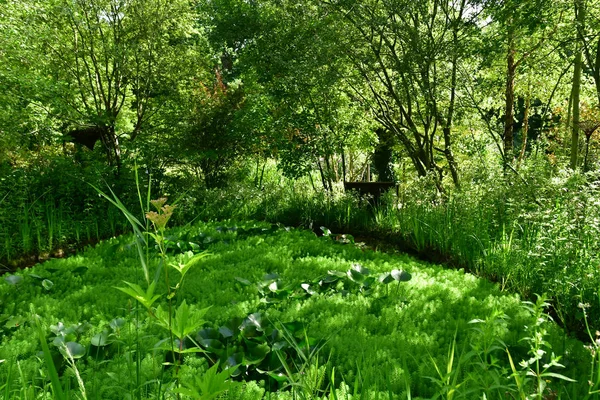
[{"x": 161, "y": 218}]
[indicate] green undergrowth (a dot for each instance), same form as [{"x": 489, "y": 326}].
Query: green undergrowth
[{"x": 430, "y": 333}]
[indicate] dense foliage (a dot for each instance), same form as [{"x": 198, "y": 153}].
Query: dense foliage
[
  {"x": 483, "y": 113},
  {"x": 306, "y": 322}
]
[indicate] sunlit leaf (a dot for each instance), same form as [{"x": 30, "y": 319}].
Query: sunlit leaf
[{"x": 13, "y": 279}]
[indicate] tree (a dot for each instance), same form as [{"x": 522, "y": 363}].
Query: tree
[
  {"x": 407, "y": 55},
  {"x": 524, "y": 26},
  {"x": 104, "y": 66}
]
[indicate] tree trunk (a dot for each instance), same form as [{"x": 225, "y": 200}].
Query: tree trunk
[
  {"x": 524, "y": 130},
  {"x": 580, "y": 13},
  {"x": 450, "y": 157},
  {"x": 510, "y": 99}
]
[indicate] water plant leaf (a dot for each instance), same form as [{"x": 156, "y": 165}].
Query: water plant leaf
[
  {"x": 386, "y": 278},
  {"x": 47, "y": 284},
  {"x": 233, "y": 363},
  {"x": 400, "y": 275},
  {"x": 360, "y": 269},
  {"x": 326, "y": 231},
  {"x": 225, "y": 332},
  {"x": 358, "y": 273},
  {"x": 256, "y": 352},
  {"x": 15, "y": 322},
  {"x": 209, "y": 339},
  {"x": 13, "y": 279},
  {"x": 274, "y": 286},
  {"x": 308, "y": 289},
  {"x": 339, "y": 274},
  {"x": 254, "y": 320},
  {"x": 72, "y": 350},
  {"x": 270, "y": 277},
  {"x": 279, "y": 377},
  {"x": 243, "y": 281},
  {"x": 117, "y": 323},
  {"x": 100, "y": 339}
]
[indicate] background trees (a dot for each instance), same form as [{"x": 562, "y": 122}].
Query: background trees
[
  {"x": 204, "y": 84},
  {"x": 100, "y": 68}
]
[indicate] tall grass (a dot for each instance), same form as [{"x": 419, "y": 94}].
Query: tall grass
[{"x": 535, "y": 238}]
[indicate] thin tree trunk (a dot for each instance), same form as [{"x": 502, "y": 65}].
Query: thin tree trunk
[
  {"x": 343, "y": 164},
  {"x": 323, "y": 180},
  {"x": 580, "y": 13},
  {"x": 262, "y": 174},
  {"x": 525, "y": 130},
  {"x": 567, "y": 143},
  {"x": 510, "y": 99}
]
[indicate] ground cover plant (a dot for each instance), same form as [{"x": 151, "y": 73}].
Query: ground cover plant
[
  {"x": 494, "y": 229},
  {"x": 291, "y": 314},
  {"x": 484, "y": 117}
]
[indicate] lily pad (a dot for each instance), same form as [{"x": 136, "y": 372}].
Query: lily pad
[
  {"x": 270, "y": 277},
  {"x": 358, "y": 273},
  {"x": 386, "y": 278},
  {"x": 15, "y": 322},
  {"x": 13, "y": 279},
  {"x": 100, "y": 339},
  {"x": 226, "y": 332},
  {"x": 243, "y": 281},
  {"x": 255, "y": 320},
  {"x": 73, "y": 350},
  {"x": 117, "y": 323},
  {"x": 274, "y": 287},
  {"x": 308, "y": 289},
  {"x": 234, "y": 361},
  {"x": 256, "y": 352},
  {"x": 47, "y": 284},
  {"x": 401, "y": 276}
]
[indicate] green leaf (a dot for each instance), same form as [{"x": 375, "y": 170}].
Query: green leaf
[
  {"x": 226, "y": 332},
  {"x": 274, "y": 287},
  {"x": 401, "y": 276},
  {"x": 13, "y": 279},
  {"x": 184, "y": 268},
  {"x": 210, "y": 385},
  {"x": 386, "y": 278},
  {"x": 72, "y": 350},
  {"x": 256, "y": 352},
  {"x": 358, "y": 273},
  {"x": 308, "y": 289},
  {"x": 100, "y": 339},
  {"x": 253, "y": 320},
  {"x": 557, "y": 376},
  {"x": 15, "y": 322},
  {"x": 117, "y": 323},
  {"x": 136, "y": 225},
  {"x": 186, "y": 320},
  {"x": 243, "y": 281},
  {"x": 80, "y": 270},
  {"x": 47, "y": 284},
  {"x": 147, "y": 298}
]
